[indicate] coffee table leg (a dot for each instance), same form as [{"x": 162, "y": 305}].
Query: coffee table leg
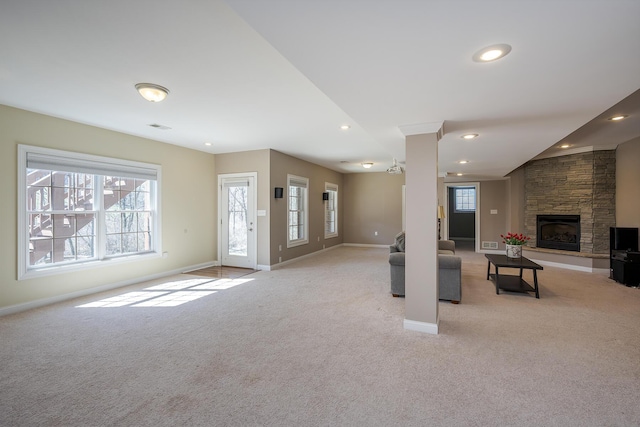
[
  {"x": 488, "y": 269},
  {"x": 497, "y": 280},
  {"x": 535, "y": 283}
]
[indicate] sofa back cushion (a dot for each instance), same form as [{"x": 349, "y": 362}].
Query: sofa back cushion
[{"x": 400, "y": 241}]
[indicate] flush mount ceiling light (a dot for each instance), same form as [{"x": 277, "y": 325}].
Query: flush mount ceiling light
[
  {"x": 463, "y": 162},
  {"x": 491, "y": 53},
  {"x": 458, "y": 174},
  {"x": 208, "y": 144},
  {"x": 367, "y": 165},
  {"x": 152, "y": 92},
  {"x": 469, "y": 136},
  {"x": 345, "y": 127},
  {"x": 618, "y": 118},
  {"x": 565, "y": 146}
]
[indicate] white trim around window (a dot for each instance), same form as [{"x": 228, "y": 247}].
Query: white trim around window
[
  {"x": 90, "y": 185},
  {"x": 297, "y": 211}
]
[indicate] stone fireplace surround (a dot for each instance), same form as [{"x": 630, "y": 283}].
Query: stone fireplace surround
[{"x": 577, "y": 184}]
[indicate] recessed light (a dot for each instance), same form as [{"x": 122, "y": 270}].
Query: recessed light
[
  {"x": 491, "y": 53},
  {"x": 469, "y": 136},
  {"x": 345, "y": 127},
  {"x": 367, "y": 165},
  {"x": 565, "y": 146},
  {"x": 618, "y": 118},
  {"x": 458, "y": 174},
  {"x": 208, "y": 144},
  {"x": 463, "y": 162}
]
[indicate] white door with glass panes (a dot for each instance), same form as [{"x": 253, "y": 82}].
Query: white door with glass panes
[{"x": 237, "y": 213}]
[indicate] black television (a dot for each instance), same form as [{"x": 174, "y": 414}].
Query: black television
[{"x": 623, "y": 239}]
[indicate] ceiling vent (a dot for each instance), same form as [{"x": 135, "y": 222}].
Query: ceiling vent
[
  {"x": 157, "y": 126},
  {"x": 396, "y": 169}
]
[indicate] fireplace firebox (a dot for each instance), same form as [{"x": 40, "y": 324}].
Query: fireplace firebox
[{"x": 558, "y": 232}]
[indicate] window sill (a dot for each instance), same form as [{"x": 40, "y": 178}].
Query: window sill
[
  {"x": 69, "y": 268},
  {"x": 297, "y": 243}
]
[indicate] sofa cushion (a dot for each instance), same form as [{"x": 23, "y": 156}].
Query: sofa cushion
[
  {"x": 400, "y": 242},
  {"x": 445, "y": 252}
]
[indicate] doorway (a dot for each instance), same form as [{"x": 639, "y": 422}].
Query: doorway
[
  {"x": 462, "y": 215},
  {"x": 237, "y": 227}
]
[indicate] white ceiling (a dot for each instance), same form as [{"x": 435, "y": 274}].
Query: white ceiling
[{"x": 285, "y": 74}]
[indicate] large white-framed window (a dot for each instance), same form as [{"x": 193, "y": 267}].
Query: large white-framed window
[
  {"x": 465, "y": 199},
  {"x": 298, "y": 212},
  {"x": 76, "y": 210},
  {"x": 331, "y": 211}
]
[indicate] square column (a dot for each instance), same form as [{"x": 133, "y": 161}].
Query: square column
[{"x": 421, "y": 256}]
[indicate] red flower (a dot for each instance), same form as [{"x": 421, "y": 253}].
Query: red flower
[{"x": 515, "y": 239}]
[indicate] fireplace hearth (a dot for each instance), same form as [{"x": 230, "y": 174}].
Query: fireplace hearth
[{"x": 558, "y": 232}]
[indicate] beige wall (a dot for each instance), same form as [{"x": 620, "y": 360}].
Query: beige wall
[
  {"x": 494, "y": 195},
  {"x": 373, "y": 202},
  {"x": 187, "y": 203},
  {"x": 628, "y": 184},
  {"x": 252, "y": 161},
  {"x": 281, "y": 165}
]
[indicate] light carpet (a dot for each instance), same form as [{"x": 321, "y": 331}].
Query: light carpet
[{"x": 321, "y": 343}]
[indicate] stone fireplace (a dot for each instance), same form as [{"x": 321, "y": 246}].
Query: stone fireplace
[{"x": 581, "y": 185}]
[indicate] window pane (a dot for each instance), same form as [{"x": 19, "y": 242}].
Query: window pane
[
  {"x": 113, "y": 222},
  {"x": 113, "y": 244},
  {"x": 465, "y": 199},
  {"x": 129, "y": 243},
  {"x": 128, "y": 205}
]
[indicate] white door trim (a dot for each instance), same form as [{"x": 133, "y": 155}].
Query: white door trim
[
  {"x": 253, "y": 194},
  {"x": 445, "y": 223}
]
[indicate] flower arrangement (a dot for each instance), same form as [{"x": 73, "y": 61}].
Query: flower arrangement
[{"x": 515, "y": 239}]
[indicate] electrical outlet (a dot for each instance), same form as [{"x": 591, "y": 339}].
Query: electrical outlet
[{"x": 280, "y": 248}]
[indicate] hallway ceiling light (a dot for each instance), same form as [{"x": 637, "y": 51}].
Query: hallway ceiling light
[
  {"x": 367, "y": 165},
  {"x": 463, "y": 162},
  {"x": 491, "y": 53},
  {"x": 565, "y": 146},
  {"x": 469, "y": 136},
  {"x": 345, "y": 127},
  {"x": 618, "y": 118},
  {"x": 152, "y": 92}
]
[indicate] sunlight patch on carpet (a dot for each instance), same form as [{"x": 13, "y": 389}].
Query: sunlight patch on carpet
[{"x": 168, "y": 294}]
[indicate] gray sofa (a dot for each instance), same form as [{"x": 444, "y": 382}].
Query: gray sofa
[{"x": 449, "y": 270}]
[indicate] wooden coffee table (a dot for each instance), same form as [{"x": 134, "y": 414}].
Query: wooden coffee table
[{"x": 512, "y": 283}]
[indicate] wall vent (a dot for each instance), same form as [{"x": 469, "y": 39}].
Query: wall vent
[{"x": 489, "y": 245}]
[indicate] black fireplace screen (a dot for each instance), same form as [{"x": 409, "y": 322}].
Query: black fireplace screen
[{"x": 558, "y": 232}]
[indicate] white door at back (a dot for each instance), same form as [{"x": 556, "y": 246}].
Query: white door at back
[{"x": 237, "y": 220}]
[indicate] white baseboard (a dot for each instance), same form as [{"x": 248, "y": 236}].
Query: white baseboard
[
  {"x": 201, "y": 266},
  {"x": 425, "y": 327},
  {"x": 571, "y": 267},
  {"x": 94, "y": 290},
  {"x": 289, "y": 261},
  {"x": 363, "y": 245}
]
